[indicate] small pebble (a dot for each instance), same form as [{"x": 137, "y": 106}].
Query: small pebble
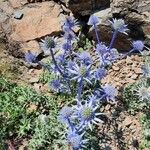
[{"x": 18, "y": 15}]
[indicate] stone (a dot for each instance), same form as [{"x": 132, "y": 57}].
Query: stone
[
  {"x": 122, "y": 42},
  {"x": 86, "y": 7},
  {"x": 18, "y": 15},
  {"x": 137, "y": 15},
  {"x": 127, "y": 121},
  {"x": 17, "y": 3},
  {"x": 115, "y": 68},
  {"x": 138, "y": 70},
  {"x": 32, "y": 46},
  {"x": 129, "y": 60},
  {"x": 34, "y": 80},
  {"x": 134, "y": 76},
  {"x": 39, "y": 20}
]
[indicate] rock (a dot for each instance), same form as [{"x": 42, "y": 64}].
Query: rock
[
  {"x": 137, "y": 14},
  {"x": 17, "y": 3},
  {"x": 134, "y": 76},
  {"x": 86, "y": 7},
  {"x": 5, "y": 7},
  {"x": 127, "y": 121},
  {"x": 32, "y": 46},
  {"x": 34, "y": 80},
  {"x": 115, "y": 68},
  {"x": 122, "y": 42},
  {"x": 18, "y": 15},
  {"x": 129, "y": 60},
  {"x": 39, "y": 20}
]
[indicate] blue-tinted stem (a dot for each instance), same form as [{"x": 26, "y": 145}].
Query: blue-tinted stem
[
  {"x": 80, "y": 86},
  {"x": 113, "y": 39},
  {"x": 81, "y": 126},
  {"x": 132, "y": 50},
  {"x": 96, "y": 32},
  {"x": 70, "y": 124},
  {"x": 57, "y": 67},
  {"x": 55, "y": 63}
]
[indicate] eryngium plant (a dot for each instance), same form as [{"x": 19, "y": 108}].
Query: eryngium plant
[{"x": 77, "y": 75}]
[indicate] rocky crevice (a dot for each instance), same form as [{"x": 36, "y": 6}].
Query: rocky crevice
[{"x": 26, "y": 21}]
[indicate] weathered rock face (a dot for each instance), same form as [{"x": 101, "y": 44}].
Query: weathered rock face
[
  {"x": 137, "y": 14},
  {"x": 17, "y": 3},
  {"x": 5, "y": 11},
  {"x": 39, "y": 20},
  {"x": 86, "y": 7}
]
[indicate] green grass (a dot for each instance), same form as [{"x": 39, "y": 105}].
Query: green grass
[{"x": 21, "y": 113}]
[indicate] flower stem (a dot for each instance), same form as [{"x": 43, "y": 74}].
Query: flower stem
[
  {"x": 80, "y": 86},
  {"x": 96, "y": 32},
  {"x": 55, "y": 63},
  {"x": 57, "y": 67},
  {"x": 113, "y": 39},
  {"x": 70, "y": 124}
]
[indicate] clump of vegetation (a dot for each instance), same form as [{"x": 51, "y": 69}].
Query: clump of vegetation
[
  {"x": 137, "y": 97},
  {"x": 25, "y": 114}
]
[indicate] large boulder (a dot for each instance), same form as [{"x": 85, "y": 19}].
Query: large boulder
[
  {"x": 86, "y": 7},
  {"x": 39, "y": 20},
  {"x": 137, "y": 14}
]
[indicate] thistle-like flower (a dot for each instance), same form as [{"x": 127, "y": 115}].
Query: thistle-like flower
[
  {"x": 69, "y": 23},
  {"x": 85, "y": 58},
  {"x": 146, "y": 69},
  {"x": 66, "y": 46},
  {"x": 75, "y": 140},
  {"x": 87, "y": 114},
  {"x": 138, "y": 45},
  {"x": 80, "y": 72},
  {"x": 30, "y": 57},
  {"x": 99, "y": 73},
  {"x": 101, "y": 49},
  {"x": 55, "y": 85},
  {"x": 119, "y": 25},
  {"x": 65, "y": 114},
  {"x": 110, "y": 92},
  {"x": 47, "y": 44},
  {"x": 69, "y": 36},
  {"x": 93, "y": 20},
  {"x": 143, "y": 91}
]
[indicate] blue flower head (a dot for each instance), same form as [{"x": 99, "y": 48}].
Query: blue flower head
[
  {"x": 55, "y": 85},
  {"x": 75, "y": 140},
  {"x": 143, "y": 92},
  {"x": 70, "y": 35},
  {"x": 80, "y": 72},
  {"x": 146, "y": 69},
  {"x": 69, "y": 23},
  {"x": 101, "y": 48},
  {"x": 87, "y": 113},
  {"x": 65, "y": 114},
  {"x": 114, "y": 54},
  {"x": 66, "y": 46},
  {"x": 138, "y": 45},
  {"x": 47, "y": 44},
  {"x": 119, "y": 25},
  {"x": 85, "y": 58},
  {"x": 99, "y": 73},
  {"x": 110, "y": 92},
  {"x": 30, "y": 57},
  {"x": 93, "y": 20}
]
